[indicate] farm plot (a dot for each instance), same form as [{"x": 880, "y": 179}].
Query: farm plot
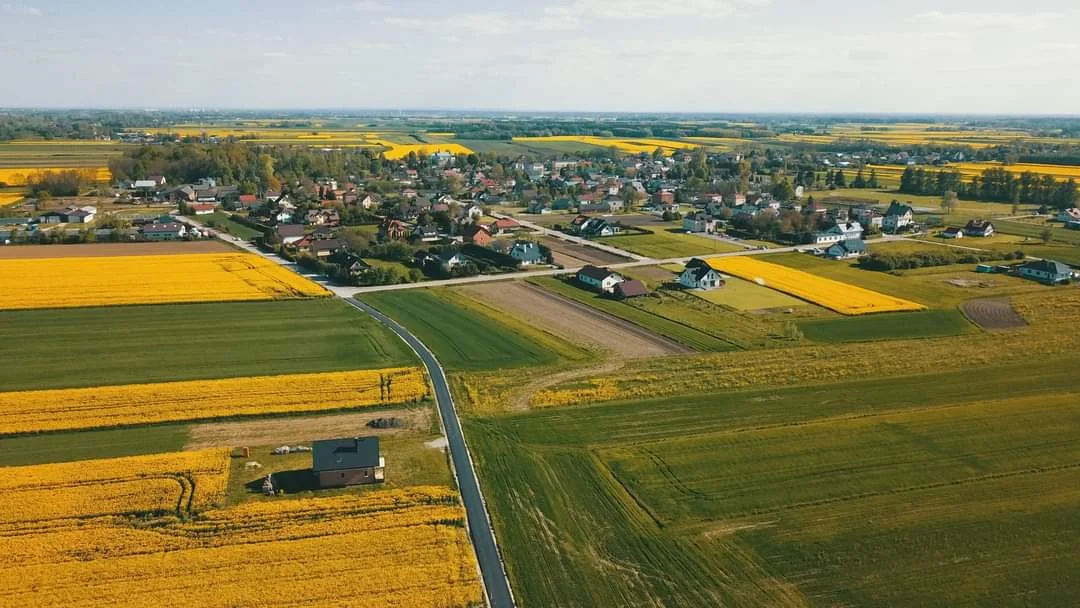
[
  {"x": 298, "y": 430},
  {"x": 106, "y": 250},
  {"x": 109, "y": 345},
  {"x": 576, "y": 322},
  {"x": 993, "y": 314},
  {"x": 841, "y": 297},
  {"x": 152, "y": 279},
  {"x": 665, "y": 243},
  {"x": 135, "y": 404},
  {"x": 572, "y": 254},
  {"x": 897, "y": 326},
  {"x": 465, "y": 335},
  {"x": 791, "y": 496},
  {"x": 745, "y": 295},
  {"x": 295, "y": 552}
]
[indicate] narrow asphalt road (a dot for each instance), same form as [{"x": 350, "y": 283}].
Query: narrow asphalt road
[{"x": 496, "y": 584}]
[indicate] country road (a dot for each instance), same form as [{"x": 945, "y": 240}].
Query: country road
[{"x": 496, "y": 584}]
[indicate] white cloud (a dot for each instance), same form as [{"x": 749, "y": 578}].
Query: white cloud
[
  {"x": 649, "y": 9},
  {"x": 364, "y": 6},
  {"x": 472, "y": 23},
  {"x": 989, "y": 20},
  {"x": 21, "y": 10},
  {"x": 276, "y": 54}
]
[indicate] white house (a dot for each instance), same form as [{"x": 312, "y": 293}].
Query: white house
[
  {"x": 700, "y": 222},
  {"x": 699, "y": 275},
  {"x": 979, "y": 227},
  {"x": 472, "y": 212},
  {"x": 898, "y": 216},
  {"x": 844, "y": 231},
  {"x": 952, "y": 233},
  {"x": 451, "y": 260},
  {"x": 600, "y": 279},
  {"x": 1068, "y": 215},
  {"x": 81, "y": 215},
  {"x": 527, "y": 252}
]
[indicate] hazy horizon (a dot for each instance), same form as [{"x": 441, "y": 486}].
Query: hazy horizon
[{"x": 919, "y": 58}]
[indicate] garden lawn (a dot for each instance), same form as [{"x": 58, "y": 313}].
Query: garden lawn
[{"x": 664, "y": 243}]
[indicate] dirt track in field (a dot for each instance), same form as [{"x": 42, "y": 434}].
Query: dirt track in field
[
  {"x": 572, "y": 254},
  {"x": 100, "y": 250},
  {"x": 992, "y": 314},
  {"x": 572, "y": 320},
  {"x": 281, "y": 431}
]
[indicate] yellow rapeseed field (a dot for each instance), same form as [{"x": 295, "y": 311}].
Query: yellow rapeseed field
[
  {"x": 19, "y": 176},
  {"x": 841, "y": 297},
  {"x": 132, "y": 404},
  {"x": 398, "y": 548},
  {"x": 151, "y": 279},
  {"x": 399, "y": 151},
  {"x": 162, "y": 483},
  {"x": 623, "y": 144},
  {"x": 9, "y": 199}
]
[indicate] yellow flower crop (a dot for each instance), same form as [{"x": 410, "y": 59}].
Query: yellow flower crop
[
  {"x": 132, "y": 404},
  {"x": 622, "y": 144},
  {"x": 382, "y": 548},
  {"x": 841, "y": 297},
  {"x": 174, "y": 482},
  {"x": 9, "y": 199},
  {"x": 20, "y": 176},
  {"x": 148, "y": 279}
]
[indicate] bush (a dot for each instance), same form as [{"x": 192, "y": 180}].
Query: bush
[{"x": 888, "y": 262}]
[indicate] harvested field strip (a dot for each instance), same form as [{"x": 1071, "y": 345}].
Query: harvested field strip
[
  {"x": 136, "y": 485},
  {"x": 308, "y": 550},
  {"x": 578, "y": 323},
  {"x": 109, "y": 250},
  {"x": 133, "y": 404},
  {"x": 841, "y": 297},
  {"x": 993, "y": 313},
  {"x": 581, "y": 254},
  {"x": 151, "y": 279},
  {"x": 684, "y": 334}
]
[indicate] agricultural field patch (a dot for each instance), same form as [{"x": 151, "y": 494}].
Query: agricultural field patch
[
  {"x": 746, "y": 295},
  {"x": 106, "y": 250},
  {"x": 466, "y": 335},
  {"x": 841, "y": 297},
  {"x": 897, "y": 326},
  {"x": 106, "y": 281},
  {"x": 572, "y": 254},
  {"x": 308, "y": 549},
  {"x": 993, "y": 314},
  {"x": 138, "y": 404},
  {"x": 109, "y": 345},
  {"x": 21, "y": 176},
  {"x": 665, "y": 243},
  {"x": 576, "y": 322}
]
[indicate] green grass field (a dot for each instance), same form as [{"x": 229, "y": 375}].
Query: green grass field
[
  {"x": 893, "y": 326},
  {"x": 744, "y": 295},
  {"x": 224, "y": 222},
  {"x": 931, "y": 490},
  {"x": 1035, "y": 231},
  {"x": 466, "y": 336},
  {"x": 664, "y": 243},
  {"x": 85, "y": 445},
  {"x": 134, "y": 344},
  {"x": 639, "y": 314}
]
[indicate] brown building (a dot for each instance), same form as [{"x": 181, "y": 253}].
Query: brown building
[{"x": 347, "y": 462}]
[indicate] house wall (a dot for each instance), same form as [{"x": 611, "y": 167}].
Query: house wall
[{"x": 347, "y": 477}]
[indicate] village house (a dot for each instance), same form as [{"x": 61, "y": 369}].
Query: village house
[
  {"x": 169, "y": 231},
  {"x": 851, "y": 248},
  {"x": 898, "y": 216},
  {"x": 323, "y": 217},
  {"x": 478, "y": 235},
  {"x": 979, "y": 227},
  {"x": 426, "y": 233},
  {"x": 527, "y": 252},
  {"x": 80, "y": 215},
  {"x": 1068, "y": 215},
  {"x": 338, "y": 463},
  {"x": 1047, "y": 272},
  {"x": 844, "y": 231},
  {"x": 203, "y": 208},
  {"x": 700, "y": 222},
  {"x": 395, "y": 230},
  {"x": 325, "y": 248},
  {"x": 599, "y": 279},
  {"x": 288, "y": 234},
  {"x": 699, "y": 275},
  {"x": 504, "y": 224},
  {"x": 952, "y": 232},
  {"x": 449, "y": 260}
]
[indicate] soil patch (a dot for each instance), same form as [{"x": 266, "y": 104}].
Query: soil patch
[
  {"x": 580, "y": 254},
  {"x": 992, "y": 314},
  {"x": 290, "y": 431},
  {"x": 574, "y": 321},
  {"x": 101, "y": 250}
]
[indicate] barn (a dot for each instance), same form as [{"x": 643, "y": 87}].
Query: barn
[{"x": 347, "y": 462}]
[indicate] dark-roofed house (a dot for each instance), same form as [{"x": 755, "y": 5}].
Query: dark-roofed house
[
  {"x": 527, "y": 252},
  {"x": 851, "y": 248},
  {"x": 898, "y": 216},
  {"x": 325, "y": 247},
  {"x": 979, "y": 227},
  {"x": 630, "y": 289},
  {"x": 1046, "y": 271},
  {"x": 600, "y": 279},
  {"x": 289, "y": 233},
  {"x": 952, "y": 232},
  {"x": 347, "y": 462},
  {"x": 169, "y": 231},
  {"x": 699, "y": 275}
]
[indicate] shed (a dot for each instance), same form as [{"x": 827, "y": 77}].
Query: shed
[
  {"x": 347, "y": 462},
  {"x": 631, "y": 289}
]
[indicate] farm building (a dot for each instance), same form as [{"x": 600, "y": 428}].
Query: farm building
[
  {"x": 952, "y": 232},
  {"x": 630, "y": 289},
  {"x": 979, "y": 227},
  {"x": 699, "y": 275},
  {"x": 843, "y": 231},
  {"x": 203, "y": 208},
  {"x": 347, "y": 462},
  {"x": 1046, "y": 271},
  {"x": 169, "y": 231},
  {"x": 599, "y": 279}
]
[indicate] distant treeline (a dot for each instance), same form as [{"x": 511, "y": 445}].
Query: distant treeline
[{"x": 993, "y": 184}]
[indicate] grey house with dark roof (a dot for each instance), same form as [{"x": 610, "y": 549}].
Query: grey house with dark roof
[
  {"x": 1046, "y": 271},
  {"x": 347, "y": 462}
]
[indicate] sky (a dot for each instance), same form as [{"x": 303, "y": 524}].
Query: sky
[{"x": 827, "y": 56}]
